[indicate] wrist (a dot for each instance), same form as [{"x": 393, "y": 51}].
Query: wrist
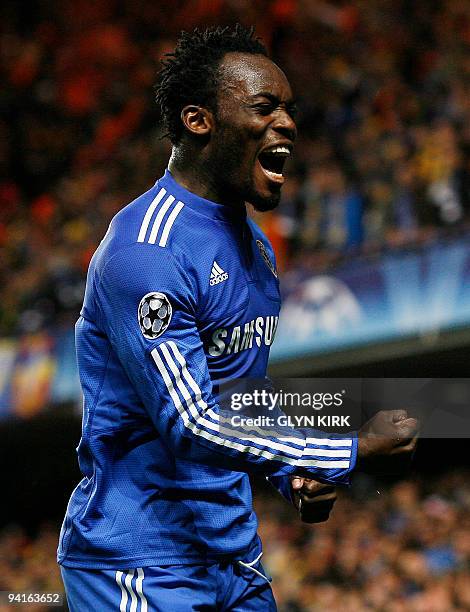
[{"x": 363, "y": 451}]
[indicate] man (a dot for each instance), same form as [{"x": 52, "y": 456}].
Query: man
[{"x": 181, "y": 293}]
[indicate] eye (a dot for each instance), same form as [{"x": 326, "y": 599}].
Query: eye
[
  {"x": 264, "y": 109},
  {"x": 293, "y": 110}
]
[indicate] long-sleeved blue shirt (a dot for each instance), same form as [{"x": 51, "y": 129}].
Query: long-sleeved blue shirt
[{"x": 181, "y": 294}]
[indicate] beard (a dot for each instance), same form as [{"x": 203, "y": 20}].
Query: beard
[
  {"x": 232, "y": 171},
  {"x": 261, "y": 202},
  {"x": 264, "y": 204}
]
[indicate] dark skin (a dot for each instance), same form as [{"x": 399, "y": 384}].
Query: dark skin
[{"x": 218, "y": 159}]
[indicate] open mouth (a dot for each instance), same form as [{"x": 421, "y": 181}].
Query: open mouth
[{"x": 272, "y": 162}]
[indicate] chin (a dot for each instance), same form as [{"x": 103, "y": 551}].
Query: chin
[{"x": 263, "y": 203}]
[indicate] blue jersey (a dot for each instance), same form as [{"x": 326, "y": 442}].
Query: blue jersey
[{"x": 181, "y": 293}]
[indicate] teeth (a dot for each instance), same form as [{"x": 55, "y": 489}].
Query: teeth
[
  {"x": 278, "y": 149},
  {"x": 274, "y": 174}
]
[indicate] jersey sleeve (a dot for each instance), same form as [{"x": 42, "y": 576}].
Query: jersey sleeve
[
  {"x": 148, "y": 307},
  {"x": 283, "y": 485}
]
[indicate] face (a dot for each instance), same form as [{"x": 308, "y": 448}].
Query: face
[{"x": 254, "y": 130}]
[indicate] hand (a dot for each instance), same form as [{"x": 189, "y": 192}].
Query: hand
[
  {"x": 314, "y": 500},
  {"x": 387, "y": 442}
]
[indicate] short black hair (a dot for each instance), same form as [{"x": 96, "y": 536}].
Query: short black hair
[{"x": 189, "y": 75}]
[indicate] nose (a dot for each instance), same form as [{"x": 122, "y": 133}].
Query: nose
[{"x": 284, "y": 124}]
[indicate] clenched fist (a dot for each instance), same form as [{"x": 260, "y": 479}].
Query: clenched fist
[
  {"x": 314, "y": 500},
  {"x": 387, "y": 441}
]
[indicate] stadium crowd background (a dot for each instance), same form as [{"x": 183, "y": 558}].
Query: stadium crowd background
[
  {"x": 383, "y": 154},
  {"x": 382, "y": 162}
]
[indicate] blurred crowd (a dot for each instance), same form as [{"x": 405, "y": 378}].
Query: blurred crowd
[
  {"x": 401, "y": 548},
  {"x": 383, "y": 155},
  {"x": 28, "y": 565}
]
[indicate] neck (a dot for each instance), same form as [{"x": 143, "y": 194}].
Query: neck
[{"x": 196, "y": 174}]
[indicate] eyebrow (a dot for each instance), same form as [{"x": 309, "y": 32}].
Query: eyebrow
[{"x": 274, "y": 99}]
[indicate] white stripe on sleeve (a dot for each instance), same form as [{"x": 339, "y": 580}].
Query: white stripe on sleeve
[
  {"x": 187, "y": 376},
  {"x": 159, "y": 218},
  {"x": 149, "y": 213},
  {"x": 320, "y": 452},
  {"x": 179, "y": 383},
  {"x": 171, "y": 219},
  {"x": 330, "y": 441},
  {"x": 216, "y": 438},
  {"x": 201, "y": 420}
]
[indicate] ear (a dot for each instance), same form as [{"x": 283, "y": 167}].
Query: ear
[{"x": 197, "y": 119}]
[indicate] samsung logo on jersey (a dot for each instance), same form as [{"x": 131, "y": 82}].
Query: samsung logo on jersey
[{"x": 260, "y": 330}]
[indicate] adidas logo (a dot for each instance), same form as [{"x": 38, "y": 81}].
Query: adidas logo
[{"x": 217, "y": 275}]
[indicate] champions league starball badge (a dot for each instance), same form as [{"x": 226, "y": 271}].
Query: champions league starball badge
[
  {"x": 154, "y": 314},
  {"x": 265, "y": 256}
]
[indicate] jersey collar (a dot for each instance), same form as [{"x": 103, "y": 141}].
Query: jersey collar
[{"x": 205, "y": 207}]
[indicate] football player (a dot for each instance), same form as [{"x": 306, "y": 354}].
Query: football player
[{"x": 183, "y": 293}]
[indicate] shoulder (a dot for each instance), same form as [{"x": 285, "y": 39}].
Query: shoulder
[
  {"x": 155, "y": 227},
  {"x": 150, "y": 247},
  {"x": 160, "y": 220}
]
